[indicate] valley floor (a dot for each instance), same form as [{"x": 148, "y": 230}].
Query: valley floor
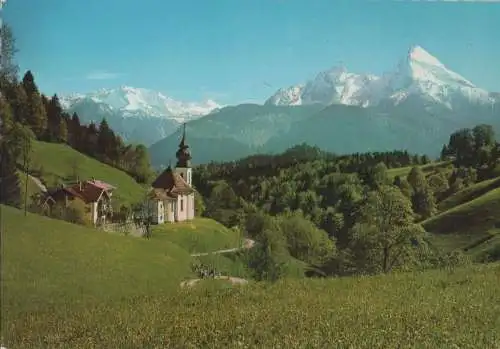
[
  {"x": 73, "y": 287},
  {"x": 459, "y": 309}
]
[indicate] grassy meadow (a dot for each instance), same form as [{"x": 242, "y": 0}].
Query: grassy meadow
[
  {"x": 428, "y": 168},
  {"x": 198, "y": 236},
  {"x": 60, "y": 162},
  {"x": 66, "y": 286},
  {"x": 466, "y": 223}
]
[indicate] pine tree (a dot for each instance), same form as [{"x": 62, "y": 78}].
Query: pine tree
[
  {"x": 37, "y": 116},
  {"x": 62, "y": 131},
  {"x": 29, "y": 83},
  {"x": 90, "y": 140},
  {"x": 105, "y": 140},
  {"x": 56, "y": 128},
  {"x": 74, "y": 132}
]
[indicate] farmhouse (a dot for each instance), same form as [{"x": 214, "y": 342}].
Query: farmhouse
[
  {"x": 95, "y": 194},
  {"x": 171, "y": 198}
]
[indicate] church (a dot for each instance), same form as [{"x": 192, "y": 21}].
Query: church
[{"x": 171, "y": 198}]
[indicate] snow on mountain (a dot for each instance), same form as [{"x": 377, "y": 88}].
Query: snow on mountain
[
  {"x": 288, "y": 96},
  {"x": 143, "y": 103},
  {"x": 417, "y": 74},
  {"x": 137, "y": 114}
]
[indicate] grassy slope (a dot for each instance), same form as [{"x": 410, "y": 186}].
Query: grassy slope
[
  {"x": 469, "y": 193},
  {"x": 199, "y": 235},
  {"x": 467, "y": 223},
  {"x": 404, "y": 171},
  {"x": 487, "y": 251},
  {"x": 58, "y": 161},
  {"x": 47, "y": 260},
  {"x": 67, "y": 286}
]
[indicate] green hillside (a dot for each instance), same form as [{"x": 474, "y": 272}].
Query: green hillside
[
  {"x": 198, "y": 236},
  {"x": 466, "y": 223},
  {"x": 469, "y": 193},
  {"x": 66, "y": 286},
  {"x": 60, "y": 162},
  {"x": 404, "y": 171}
]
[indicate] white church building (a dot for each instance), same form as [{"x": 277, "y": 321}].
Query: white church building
[{"x": 171, "y": 198}]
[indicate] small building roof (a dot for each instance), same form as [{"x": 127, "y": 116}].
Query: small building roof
[
  {"x": 88, "y": 191},
  {"x": 172, "y": 182}
]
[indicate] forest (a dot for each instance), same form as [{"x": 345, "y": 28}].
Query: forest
[{"x": 348, "y": 214}]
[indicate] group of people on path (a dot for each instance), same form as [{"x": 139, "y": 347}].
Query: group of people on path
[{"x": 205, "y": 272}]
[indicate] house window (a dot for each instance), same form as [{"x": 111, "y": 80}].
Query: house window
[{"x": 182, "y": 205}]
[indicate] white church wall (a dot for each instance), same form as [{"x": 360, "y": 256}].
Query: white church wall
[{"x": 181, "y": 208}]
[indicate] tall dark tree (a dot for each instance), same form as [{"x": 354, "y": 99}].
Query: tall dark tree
[
  {"x": 90, "y": 139},
  {"x": 57, "y": 130},
  {"x": 28, "y": 83},
  {"x": 37, "y": 116},
  {"x": 75, "y": 132},
  {"x": 105, "y": 140}
]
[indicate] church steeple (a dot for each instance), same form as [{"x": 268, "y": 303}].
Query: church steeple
[{"x": 183, "y": 154}]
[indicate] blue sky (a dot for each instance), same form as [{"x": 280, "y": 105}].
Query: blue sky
[{"x": 242, "y": 50}]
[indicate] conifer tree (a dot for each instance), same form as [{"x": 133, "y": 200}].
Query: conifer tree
[
  {"x": 105, "y": 140},
  {"x": 57, "y": 128},
  {"x": 37, "y": 116},
  {"x": 62, "y": 131},
  {"x": 75, "y": 132},
  {"x": 28, "y": 83}
]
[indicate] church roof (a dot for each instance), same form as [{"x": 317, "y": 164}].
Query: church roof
[
  {"x": 161, "y": 194},
  {"x": 172, "y": 183}
]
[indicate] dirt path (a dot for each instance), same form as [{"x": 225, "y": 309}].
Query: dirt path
[
  {"x": 248, "y": 243},
  {"x": 233, "y": 280}
]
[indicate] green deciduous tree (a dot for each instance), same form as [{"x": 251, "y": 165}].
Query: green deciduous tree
[
  {"x": 268, "y": 259},
  {"x": 423, "y": 201},
  {"x": 8, "y": 66},
  {"x": 305, "y": 240},
  {"x": 383, "y": 234}
]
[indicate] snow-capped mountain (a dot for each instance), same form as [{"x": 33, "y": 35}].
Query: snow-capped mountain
[
  {"x": 142, "y": 102},
  {"x": 418, "y": 74},
  {"x": 416, "y": 106},
  {"x": 137, "y": 114}
]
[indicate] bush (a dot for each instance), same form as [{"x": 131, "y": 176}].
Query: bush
[{"x": 76, "y": 212}]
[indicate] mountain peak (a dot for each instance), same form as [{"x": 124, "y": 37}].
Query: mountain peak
[{"x": 420, "y": 55}]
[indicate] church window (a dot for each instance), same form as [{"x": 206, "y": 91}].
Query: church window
[{"x": 182, "y": 205}]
